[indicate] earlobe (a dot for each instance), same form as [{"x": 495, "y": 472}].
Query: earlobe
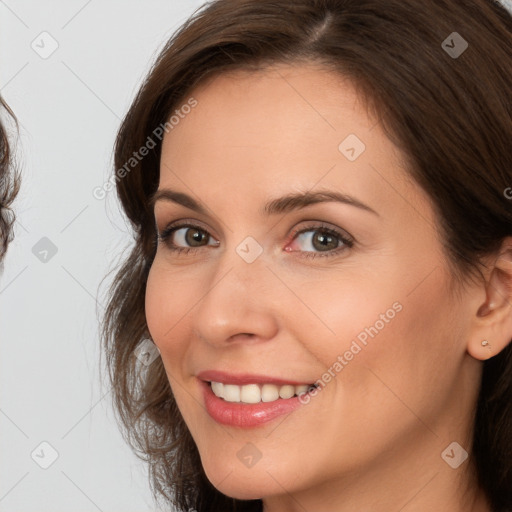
[
  {"x": 492, "y": 328},
  {"x": 484, "y": 352}
]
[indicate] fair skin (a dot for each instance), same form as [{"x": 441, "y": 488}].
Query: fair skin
[{"x": 372, "y": 438}]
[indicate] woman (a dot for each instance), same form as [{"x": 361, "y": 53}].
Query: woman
[
  {"x": 9, "y": 184},
  {"x": 322, "y": 257}
]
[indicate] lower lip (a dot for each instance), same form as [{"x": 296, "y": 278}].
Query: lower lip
[{"x": 236, "y": 414}]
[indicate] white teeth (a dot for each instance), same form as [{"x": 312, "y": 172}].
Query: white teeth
[
  {"x": 269, "y": 393},
  {"x": 287, "y": 391},
  {"x": 255, "y": 393},
  {"x": 218, "y": 389},
  {"x": 231, "y": 393},
  {"x": 299, "y": 390},
  {"x": 250, "y": 394}
]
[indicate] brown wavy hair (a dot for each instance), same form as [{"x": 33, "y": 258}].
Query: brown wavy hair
[
  {"x": 451, "y": 116},
  {"x": 9, "y": 182}
]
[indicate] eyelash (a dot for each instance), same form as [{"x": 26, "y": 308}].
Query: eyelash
[{"x": 348, "y": 242}]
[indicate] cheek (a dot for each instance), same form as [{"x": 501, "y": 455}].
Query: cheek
[
  {"x": 155, "y": 305},
  {"x": 344, "y": 313},
  {"x": 169, "y": 297},
  {"x": 168, "y": 300},
  {"x": 380, "y": 337},
  {"x": 406, "y": 363}
]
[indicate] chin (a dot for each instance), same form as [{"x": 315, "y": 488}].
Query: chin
[{"x": 241, "y": 483}]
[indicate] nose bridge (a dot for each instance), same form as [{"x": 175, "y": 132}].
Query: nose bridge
[{"x": 238, "y": 300}]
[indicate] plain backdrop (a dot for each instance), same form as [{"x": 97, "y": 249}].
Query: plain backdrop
[
  {"x": 69, "y": 70},
  {"x": 69, "y": 104}
]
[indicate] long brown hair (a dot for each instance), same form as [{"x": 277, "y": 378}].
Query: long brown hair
[
  {"x": 448, "y": 110},
  {"x": 9, "y": 182}
]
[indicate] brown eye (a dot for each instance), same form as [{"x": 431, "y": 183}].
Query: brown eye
[
  {"x": 186, "y": 237},
  {"x": 193, "y": 237},
  {"x": 324, "y": 241},
  {"x": 319, "y": 241}
]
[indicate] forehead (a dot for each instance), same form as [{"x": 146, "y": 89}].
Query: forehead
[
  {"x": 289, "y": 97},
  {"x": 282, "y": 127}
]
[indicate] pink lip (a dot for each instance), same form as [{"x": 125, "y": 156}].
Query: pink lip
[
  {"x": 242, "y": 379},
  {"x": 245, "y": 415}
]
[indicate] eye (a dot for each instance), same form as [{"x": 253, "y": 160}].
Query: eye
[
  {"x": 185, "y": 238},
  {"x": 311, "y": 241},
  {"x": 317, "y": 240}
]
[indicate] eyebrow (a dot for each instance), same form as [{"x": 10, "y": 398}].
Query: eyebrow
[{"x": 285, "y": 204}]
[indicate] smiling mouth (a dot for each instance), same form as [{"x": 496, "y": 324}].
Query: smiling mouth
[{"x": 256, "y": 393}]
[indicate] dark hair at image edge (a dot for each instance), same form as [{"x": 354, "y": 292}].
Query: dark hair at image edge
[
  {"x": 452, "y": 118},
  {"x": 9, "y": 183}
]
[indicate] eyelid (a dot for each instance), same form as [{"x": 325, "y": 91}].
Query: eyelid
[
  {"x": 347, "y": 239},
  {"x": 182, "y": 223},
  {"x": 321, "y": 225},
  {"x": 312, "y": 225}
]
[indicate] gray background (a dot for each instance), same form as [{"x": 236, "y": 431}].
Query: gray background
[{"x": 69, "y": 105}]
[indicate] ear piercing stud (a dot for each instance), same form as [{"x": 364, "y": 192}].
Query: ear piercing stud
[{"x": 485, "y": 343}]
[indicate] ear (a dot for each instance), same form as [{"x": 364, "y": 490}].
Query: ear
[{"x": 491, "y": 329}]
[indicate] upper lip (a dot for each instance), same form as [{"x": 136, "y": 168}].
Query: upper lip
[{"x": 245, "y": 378}]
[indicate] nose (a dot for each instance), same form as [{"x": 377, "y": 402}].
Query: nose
[{"x": 240, "y": 303}]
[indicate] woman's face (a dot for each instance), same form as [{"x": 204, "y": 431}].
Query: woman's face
[{"x": 311, "y": 259}]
